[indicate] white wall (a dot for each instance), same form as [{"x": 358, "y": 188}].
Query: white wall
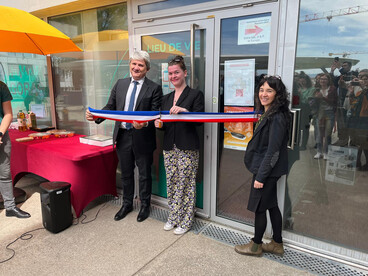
[{"x": 33, "y": 5}]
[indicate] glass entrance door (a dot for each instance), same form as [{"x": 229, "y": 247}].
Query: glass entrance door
[
  {"x": 247, "y": 49},
  {"x": 192, "y": 40}
]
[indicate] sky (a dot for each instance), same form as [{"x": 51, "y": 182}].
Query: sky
[{"x": 342, "y": 34}]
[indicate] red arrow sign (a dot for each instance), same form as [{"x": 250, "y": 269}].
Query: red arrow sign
[{"x": 255, "y": 31}]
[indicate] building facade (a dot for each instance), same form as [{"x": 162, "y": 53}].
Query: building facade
[{"x": 316, "y": 47}]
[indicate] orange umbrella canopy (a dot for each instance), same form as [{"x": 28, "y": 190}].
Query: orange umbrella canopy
[{"x": 22, "y": 32}]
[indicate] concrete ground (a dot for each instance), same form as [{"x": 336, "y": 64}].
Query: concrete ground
[{"x": 107, "y": 247}]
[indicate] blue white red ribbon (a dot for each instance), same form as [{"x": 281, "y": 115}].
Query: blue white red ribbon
[
  {"x": 126, "y": 116},
  {"x": 165, "y": 116}
]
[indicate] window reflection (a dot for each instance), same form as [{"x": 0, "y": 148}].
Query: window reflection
[
  {"x": 27, "y": 79},
  {"x": 325, "y": 186},
  {"x": 168, "y": 4},
  {"x": 85, "y": 79}
]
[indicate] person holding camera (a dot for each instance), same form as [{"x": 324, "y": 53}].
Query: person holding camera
[
  {"x": 357, "y": 116},
  {"x": 341, "y": 83}
]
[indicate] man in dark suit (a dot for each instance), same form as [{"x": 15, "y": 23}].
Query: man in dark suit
[{"x": 135, "y": 142}]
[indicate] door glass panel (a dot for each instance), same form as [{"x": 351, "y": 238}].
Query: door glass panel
[
  {"x": 244, "y": 42},
  {"x": 327, "y": 191},
  {"x": 162, "y": 48}
]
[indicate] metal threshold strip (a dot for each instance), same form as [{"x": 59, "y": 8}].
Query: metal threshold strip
[{"x": 293, "y": 256}]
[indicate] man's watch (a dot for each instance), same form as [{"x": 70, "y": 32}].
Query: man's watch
[{"x": 1, "y": 134}]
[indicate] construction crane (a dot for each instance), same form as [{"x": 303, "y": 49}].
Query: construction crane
[
  {"x": 333, "y": 13},
  {"x": 345, "y": 54}
]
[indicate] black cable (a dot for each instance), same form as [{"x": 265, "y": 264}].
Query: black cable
[
  {"x": 85, "y": 217},
  {"x": 25, "y": 236}
]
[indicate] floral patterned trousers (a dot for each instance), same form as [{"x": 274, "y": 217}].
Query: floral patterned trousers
[{"x": 181, "y": 170}]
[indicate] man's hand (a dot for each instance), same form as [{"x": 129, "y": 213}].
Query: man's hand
[
  {"x": 137, "y": 125},
  {"x": 258, "y": 185},
  {"x": 158, "y": 123}
]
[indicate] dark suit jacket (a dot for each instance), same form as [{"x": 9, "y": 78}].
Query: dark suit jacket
[
  {"x": 183, "y": 134},
  {"x": 149, "y": 99},
  {"x": 266, "y": 154}
]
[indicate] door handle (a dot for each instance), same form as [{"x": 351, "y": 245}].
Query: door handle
[
  {"x": 192, "y": 53},
  {"x": 295, "y": 126}
]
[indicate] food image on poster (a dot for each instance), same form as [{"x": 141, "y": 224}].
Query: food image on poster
[{"x": 237, "y": 134}]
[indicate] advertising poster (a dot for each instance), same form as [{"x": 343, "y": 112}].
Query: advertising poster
[
  {"x": 167, "y": 87},
  {"x": 341, "y": 164},
  {"x": 237, "y": 134},
  {"x": 254, "y": 30},
  {"x": 239, "y": 82}
]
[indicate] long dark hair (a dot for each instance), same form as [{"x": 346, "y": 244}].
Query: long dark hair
[{"x": 281, "y": 101}]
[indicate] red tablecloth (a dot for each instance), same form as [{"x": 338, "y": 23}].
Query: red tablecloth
[{"x": 90, "y": 170}]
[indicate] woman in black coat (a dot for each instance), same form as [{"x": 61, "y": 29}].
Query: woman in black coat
[
  {"x": 266, "y": 158},
  {"x": 181, "y": 149}
]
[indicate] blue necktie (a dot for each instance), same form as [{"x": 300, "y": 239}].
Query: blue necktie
[{"x": 131, "y": 103}]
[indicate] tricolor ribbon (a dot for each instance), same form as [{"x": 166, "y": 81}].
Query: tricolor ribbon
[{"x": 165, "y": 116}]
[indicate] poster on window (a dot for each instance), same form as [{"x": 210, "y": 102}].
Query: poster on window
[
  {"x": 237, "y": 134},
  {"x": 254, "y": 30},
  {"x": 167, "y": 87},
  {"x": 239, "y": 82},
  {"x": 341, "y": 164}
]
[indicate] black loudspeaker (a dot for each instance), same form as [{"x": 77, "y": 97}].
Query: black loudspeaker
[{"x": 56, "y": 206}]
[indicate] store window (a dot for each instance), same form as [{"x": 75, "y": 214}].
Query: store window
[
  {"x": 327, "y": 187},
  {"x": 26, "y": 77},
  {"x": 85, "y": 79}
]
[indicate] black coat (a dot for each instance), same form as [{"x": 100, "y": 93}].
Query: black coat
[
  {"x": 183, "y": 134},
  {"x": 267, "y": 158},
  {"x": 149, "y": 99}
]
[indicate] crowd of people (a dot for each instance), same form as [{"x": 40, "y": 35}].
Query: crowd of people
[{"x": 334, "y": 102}]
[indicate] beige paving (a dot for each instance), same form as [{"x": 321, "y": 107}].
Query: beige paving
[{"x": 107, "y": 247}]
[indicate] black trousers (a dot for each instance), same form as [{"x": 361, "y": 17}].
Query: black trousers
[{"x": 128, "y": 159}]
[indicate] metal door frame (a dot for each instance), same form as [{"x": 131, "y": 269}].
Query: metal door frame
[
  {"x": 268, "y": 7},
  {"x": 173, "y": 26}
]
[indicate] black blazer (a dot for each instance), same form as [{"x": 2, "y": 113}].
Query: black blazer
[
  {"x": 149, "y": 99},
  {"x": 266, "y": 154},
  {"x": 183, "y": 134}
]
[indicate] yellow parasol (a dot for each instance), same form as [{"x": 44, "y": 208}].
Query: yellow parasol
[{"x": 22, "y": 32}]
